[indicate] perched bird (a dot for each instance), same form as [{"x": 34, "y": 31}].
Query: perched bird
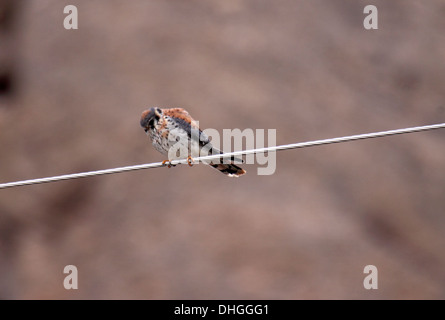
[{"x": 173, "y": 130}]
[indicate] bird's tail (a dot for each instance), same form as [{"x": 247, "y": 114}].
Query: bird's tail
[{"x": 229, "y": 169}]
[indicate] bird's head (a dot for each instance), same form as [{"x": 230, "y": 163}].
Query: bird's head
[{"x": 150, "y": 118}]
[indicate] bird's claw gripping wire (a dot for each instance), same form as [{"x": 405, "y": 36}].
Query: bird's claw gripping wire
[
  {"x": 168, "y": 163},
  {"x": 190, "y": 161}
]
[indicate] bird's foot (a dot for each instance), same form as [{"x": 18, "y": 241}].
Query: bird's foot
[
  {"x": 190, "y": 161},
  {"x": 168, "y": 163}
]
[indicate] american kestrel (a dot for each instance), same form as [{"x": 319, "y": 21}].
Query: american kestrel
[{"x": 171, "y": 129}]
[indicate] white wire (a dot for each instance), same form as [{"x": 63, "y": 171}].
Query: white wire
[{"x": 225, "y": 155}]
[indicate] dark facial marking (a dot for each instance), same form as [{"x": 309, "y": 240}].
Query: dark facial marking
[{"x": 149, "y": 120}]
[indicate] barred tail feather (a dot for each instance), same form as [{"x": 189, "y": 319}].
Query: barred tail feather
[{"x": 228, "y": 169}]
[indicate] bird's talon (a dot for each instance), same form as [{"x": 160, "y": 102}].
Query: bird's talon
[{"x": 168, "y": 163}]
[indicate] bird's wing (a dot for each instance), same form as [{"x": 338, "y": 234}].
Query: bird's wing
[{"x": 191, "y": 127}]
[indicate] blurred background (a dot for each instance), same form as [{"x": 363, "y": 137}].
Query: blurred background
[{"x": 70, "y": 101}]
